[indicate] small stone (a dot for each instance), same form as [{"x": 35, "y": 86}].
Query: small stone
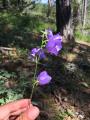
[
  {"x": 81, "y": 116},
  {"x": 77, "y": 113},
  {"x": 65, "y": 99}
]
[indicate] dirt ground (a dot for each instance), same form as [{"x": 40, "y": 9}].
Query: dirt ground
[
  {"x": 68, "y": 95},
  {"x": 70, "y": 98}
]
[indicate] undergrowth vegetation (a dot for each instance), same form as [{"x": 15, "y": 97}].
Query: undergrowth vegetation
[{"x": 82, "y": 37}]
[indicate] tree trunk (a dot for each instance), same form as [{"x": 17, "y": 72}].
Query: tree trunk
[
  {"x": 4, "y": 3},
  {"x": 18, "y": 3},
  {"x": 84, "y": 12},
  {"x": 63, "y": 13},
  {"x": 63, "y": 18},
  {"x": 9, "y": 3},
  {"x": 49, "y": 8}
]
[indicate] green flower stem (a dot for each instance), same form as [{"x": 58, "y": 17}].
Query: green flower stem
[
  {"x": 35, "y": 82},
  {"x": 33, "y": 87},
  {"x": 43, "y": 42},
  {"x": 34, "y": 78}
]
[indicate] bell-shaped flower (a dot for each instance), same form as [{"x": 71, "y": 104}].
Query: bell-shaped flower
[
  {"x": 37, "y": 52},
  {"x": 43, "y": 78},
  {"x": 34, "y": 51},
  {"x": 54, "y": 44}
]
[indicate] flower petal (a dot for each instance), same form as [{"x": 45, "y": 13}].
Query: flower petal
[
  {"x": 41, "y": 54},
  {"x": 49, "y": 34},
  {"x": 57, "y": 37},
  {"x": 54, "y": 44},
  {"x": 44, "y": 78},
  {"x": 34, "y": 51}
]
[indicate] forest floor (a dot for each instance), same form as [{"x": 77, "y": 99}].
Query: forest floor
[
  {"x": 68, "y": 95},
  {"x": 71, "y": 96}
]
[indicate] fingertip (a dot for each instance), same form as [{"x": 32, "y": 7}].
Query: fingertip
[
  {"x": 33, "y": 113},
  {"x": 36, "y": 109}
]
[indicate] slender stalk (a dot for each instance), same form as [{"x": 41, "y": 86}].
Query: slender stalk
[
  {"x": 34, "y": 78},
  {"x": 32, "y": 91},
  {"x": 35, "y": 68}
]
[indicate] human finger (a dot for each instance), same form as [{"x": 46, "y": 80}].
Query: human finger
[
  {"x": 30, "y": 114},
  {"x": 13, "y": 107}
]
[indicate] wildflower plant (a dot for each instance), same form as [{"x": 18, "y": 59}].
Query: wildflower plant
[{"x": 50, "y": 43}]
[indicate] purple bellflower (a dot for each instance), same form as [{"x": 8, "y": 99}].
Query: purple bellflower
[
  {"x": 49, "y": 33},
  {"x": 44, "y": 78},
  {"x": 41, "y": 54},
  {"x": 37, "y": 52},
  {"x": 34, "y": 51},
  {"x": 54, "y": 44}
]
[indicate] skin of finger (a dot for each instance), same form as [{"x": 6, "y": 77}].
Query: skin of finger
[
  {"x": 30, "y": 114},
  {"x": 4, "y": 113},
  {"x": 18, "y": 112},
  {"x": 8, "y": 109},
  {"x": 20, "y": 104}
]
